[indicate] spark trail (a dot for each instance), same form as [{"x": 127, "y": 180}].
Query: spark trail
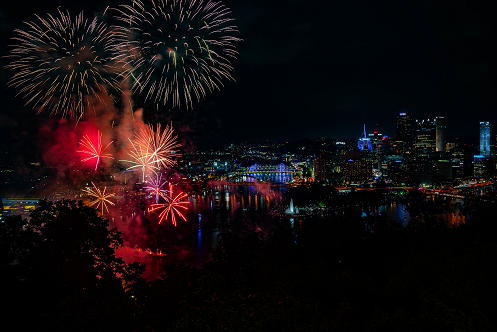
[
  {"x": 64, "y": 64},
  {"x": 176, "y": 51},
  {"x": 101, "y": 198},
  {"x": 175, "y": 205},
  {"x": 94, "y": 150}
]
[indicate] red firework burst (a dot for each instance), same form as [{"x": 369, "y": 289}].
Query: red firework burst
[
  {"x": 94, "y": 149},
  {"x": 174, "y": 206}
]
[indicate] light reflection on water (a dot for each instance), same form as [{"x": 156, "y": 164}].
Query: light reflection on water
[
  {"x": 246, "y": 207},
  {"x": 396, "y": 212},
  {"x": 399, "y": 213}
]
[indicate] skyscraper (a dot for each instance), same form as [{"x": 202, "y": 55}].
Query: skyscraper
[
  {"x": 425, "y": 138},
  {"x": 486, "y": 148},
  {"x": 364, "y": 142},
  {"x": 440, "y": 133},
  {"x": 404, "y": 126},
  {"x": 404, "y": 131},
  {"x": 320, "y": 168}
]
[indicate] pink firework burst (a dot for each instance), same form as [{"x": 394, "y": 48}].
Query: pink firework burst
[
  {"x": 155, "y": 187},
  {"x": 174, "y": 206},
  {"x": 94, "y": 150}
]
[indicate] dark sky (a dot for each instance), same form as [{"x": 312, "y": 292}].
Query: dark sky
[{"x": 318, "y": 68}]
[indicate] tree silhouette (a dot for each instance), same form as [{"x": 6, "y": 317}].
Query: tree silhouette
[{"x": 65, "y": 251}]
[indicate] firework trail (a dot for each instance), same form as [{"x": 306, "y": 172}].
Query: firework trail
[
  {"x": 64, "y": 65},
  {"x": 161, "y": 144},
  {"x": 174, "y": 206},
  {"x": 94, "y": 151},
  {"x": 152, "y": 150},
  {"x": 176, "y": 51},
  {"x": 155, "y": 187},
  {"x": 142, "y": 158},
  {"x": 101, "y": 198}
]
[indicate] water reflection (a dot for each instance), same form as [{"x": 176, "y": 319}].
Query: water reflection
[
  {"x": 398, "y": 212},
  {"x": 246, "y": 207}
]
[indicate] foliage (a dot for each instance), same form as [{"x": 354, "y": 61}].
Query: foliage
[{"x": 62, "y": 258}]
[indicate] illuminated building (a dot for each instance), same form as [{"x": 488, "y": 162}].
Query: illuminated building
[
  {"x": 404, "y": 131},
  {"x": 355, "y": 168},
  {"x": 364, "y": 142},
  {"x": 394, "y": 169},
  {"x": 15, "y": 201},
  {"x": 483, "y": 166},
  {"x": 425, "y": 139},
  {"x": 377, "y": 141},
  {"x": 486, "y": 146},
  {"x": 341, "y": 147},
  {"x": 357, "y": 171},
  {"x": 440, "y": 133},
  {"x": 320, "y": 168}
]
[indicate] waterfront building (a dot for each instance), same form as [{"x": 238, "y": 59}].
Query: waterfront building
[
  {"x": 443, "y": 170},
  {"x": 355, "y": 167},
  {"x": 394, "y": 169},
  {"x": 484, "y": 166},
  {"x": 357, "y": 171}
]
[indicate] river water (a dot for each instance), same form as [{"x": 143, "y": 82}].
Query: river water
[{"x": 246, "y": 208}]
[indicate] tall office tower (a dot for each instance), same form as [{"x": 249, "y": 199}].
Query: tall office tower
[
  {"x": 364, "y": 142},
  {"x": 425, "y": 138},
  {"x": 404, "y": 126},
  {"x": 440, "y": 133},
  {"x": 377, "y": 143},
  {"x": 486, "y": 148},
  {"x": 320, "y": 168},
  {"x": 404, "y": 131}
]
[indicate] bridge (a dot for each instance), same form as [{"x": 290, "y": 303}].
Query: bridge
[{"x": 280, "y": 173}]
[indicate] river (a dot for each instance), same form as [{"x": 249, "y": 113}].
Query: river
[{"x": 246, "y": 208}]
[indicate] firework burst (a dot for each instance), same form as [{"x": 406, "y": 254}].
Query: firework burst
[
  {"x": 152, "y": 150},
  {"x": 64, "y": 65},
  {"x": 161, "y": 144},
  {"x": 102, "y": 199},
  {"x": 142, "y": 158},
  {"x": 155, "y": 187},
  {"x": 174, "y": 206},
  {"x": 94, "y": 150},
  {"x": 176, "y": 51}
]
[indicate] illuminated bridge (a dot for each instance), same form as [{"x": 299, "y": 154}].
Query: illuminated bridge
[{"x": 280, "y": 173}]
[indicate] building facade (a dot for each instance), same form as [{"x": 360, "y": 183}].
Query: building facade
[
  {"x": 440, "y": 134},
  {"x": 425, "y": 139},
  {"x": 404, "y": 136},
  {"x": 486, "y": 141}
]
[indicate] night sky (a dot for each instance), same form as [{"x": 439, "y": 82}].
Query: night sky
[{"x": 323, "y": 68}]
